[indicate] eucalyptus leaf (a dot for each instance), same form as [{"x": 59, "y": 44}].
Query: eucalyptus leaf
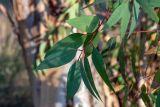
[
  {"x": 85, "y": 23},
  {"x": 125, "y": 19},
  {"x": 115, "y": 17},
  {"x": 56, "y": 59},
  {"x": 147, "y": 8},
  {"x": 135, "y": 12},
  {"x": 73, "y": 41},
  {"x": 63, "y": 52},
  {"x": 73, "y": 80},
  {"x": 86, "y": 81},
  {"x": 91, "y": 40},
  {"x": 89, "y": 75},
  {"x": 99, "y": 65}
]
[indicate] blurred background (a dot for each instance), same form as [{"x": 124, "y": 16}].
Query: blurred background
[
  {"x": 28, "y": 28},
  {"x": 14, "y": 83}
]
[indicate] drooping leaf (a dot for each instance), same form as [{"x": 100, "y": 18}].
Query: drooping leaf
[
  {"x": 85, "y": 23},
  {"x": 115, "y": 17},
  {"x": 85, "y": 80},
  {"x": 122, "y": 63},
  {"x": 73, "y": 41},
  {"x": 125, "y": 19},
  {"x": 89, "y": 75},
  {"x": 99, "y": 65},
  {"x": 135, "y": 12},
  {"x": 73, "y": 80},
  {"x": 121, "y": 13},
  {"x": 147, "y": 8}
]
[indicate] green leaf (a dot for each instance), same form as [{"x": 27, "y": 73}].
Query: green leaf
[
  {"x": 85, "y": 23},
  {"x": 89, "y": 75},
  {"x": 60, "y": 57},
  {"x": 73, "y": 80},
  {"x": 73, "y": 10},
  {"x": 122, "y": 62},
  {"x": 86, "y": 81},
  {"x": 122, "y": 12},
  {"x": 62, "y": 52},
  {"x": 154, "y": 3},
  {"x": 158, "y": 100},
  {"x": 73, "y": 41},
  {"x": 145, "y": 96},
  {"x": 88, "y": 43},
  {"x": 115, "y": 17},
  {"x": 157, "y": 76},
  {"x": 135, "y": 12},
  {"x": 125, "y": 19},
  {"x": 147, "y": 8},
  {"x": 121, "y": 59},
  {"x": 99, "y": 65}
]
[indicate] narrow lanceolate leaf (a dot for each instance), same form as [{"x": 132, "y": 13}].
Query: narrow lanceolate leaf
[
  {"x": 73, "y": 80},
  {"x": 121, "y": 13},
  {"x": 125, "y": 19},
  {"x": 73, "y": 41},
  {"x": 115, "y": 17},
  {"x": 60, "y": 57},
  {"x": 85, "y": 23},
  {"x": 99, "y": 65},
  {"x": 121, "y": 60},
  {"x": 85, "y": 80},
  {"x": 89, "y": 75},
  {"x": 147, "y": 8},
  {"x": 135, "y": 12},
  {"x": 63, "y": 52}
]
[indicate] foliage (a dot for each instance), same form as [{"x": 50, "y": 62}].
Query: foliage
[{"x": 127, "y": 14}]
